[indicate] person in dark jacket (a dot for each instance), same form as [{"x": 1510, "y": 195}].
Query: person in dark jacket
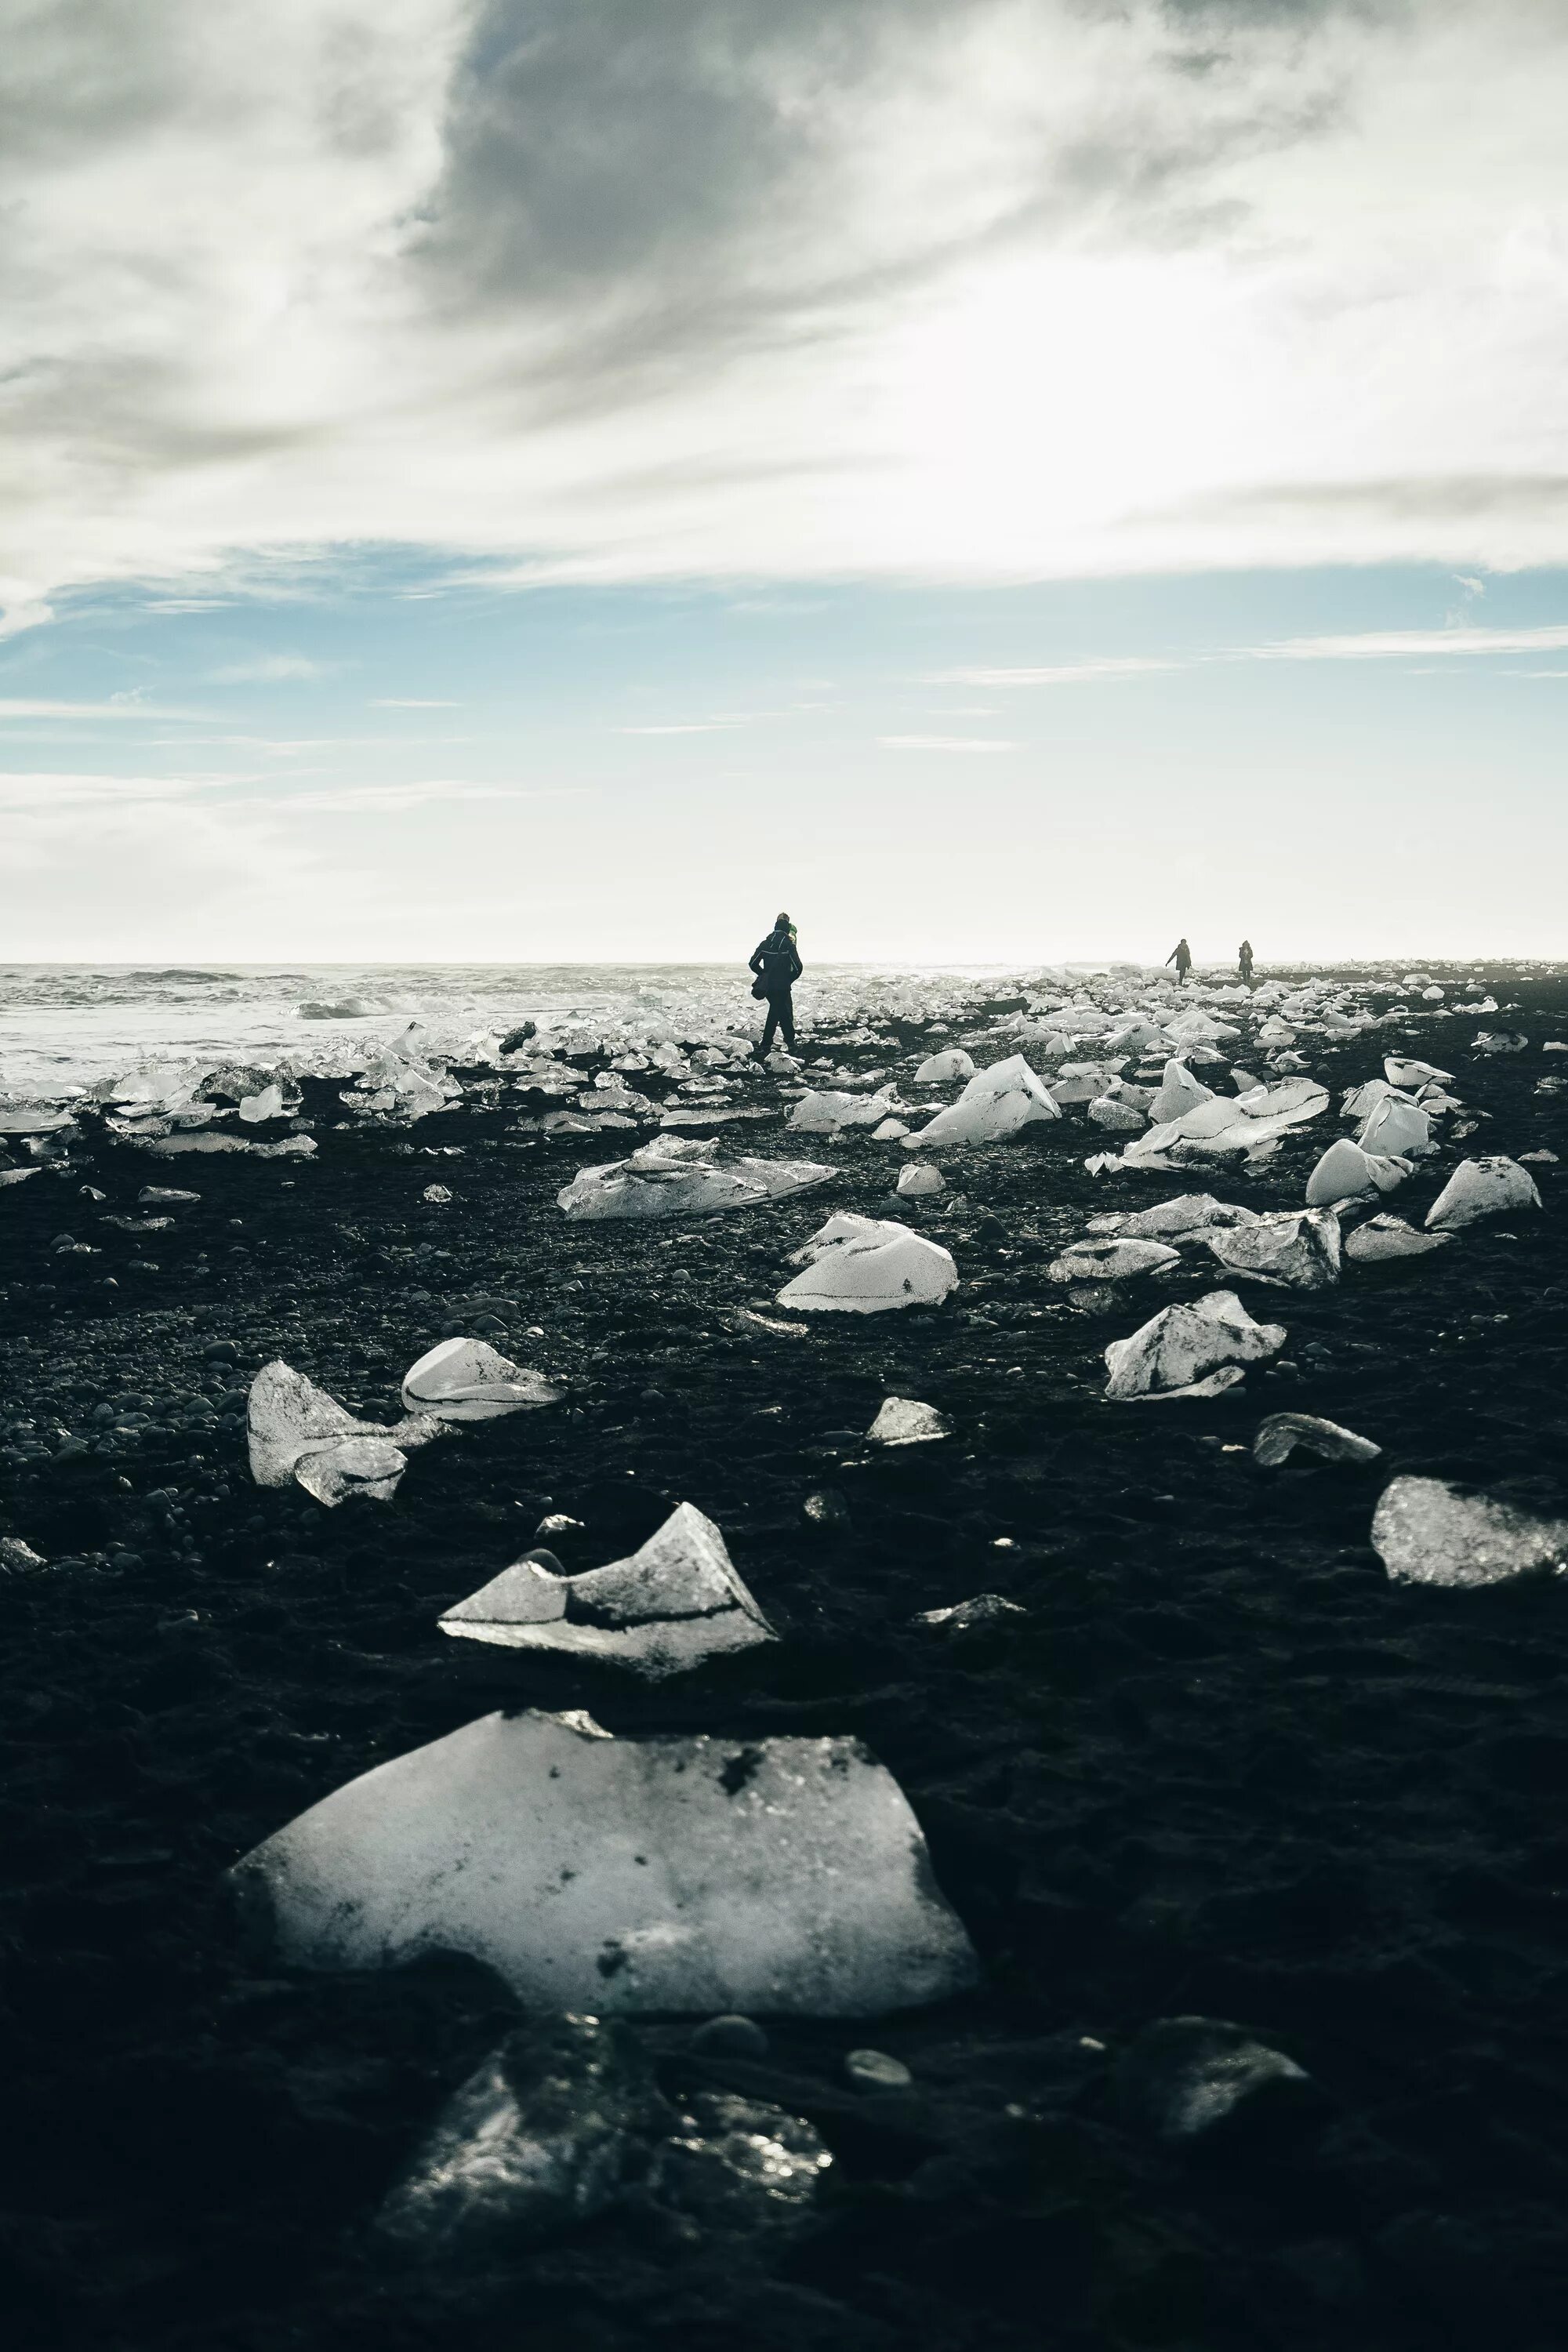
[
  {"x": 1244, "y": 961},
  {"x": 1181, "y": 955},
  {"x": 777, "y": 967}
]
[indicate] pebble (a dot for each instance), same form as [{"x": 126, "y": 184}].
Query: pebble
[
  {"x": 875, "y": 2070},
  {"x": 731, "y": 2037}
]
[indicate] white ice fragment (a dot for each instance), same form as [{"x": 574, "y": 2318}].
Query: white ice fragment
[
  {"x": 903, "y": 1420},
  {"x": 1482, "y": 1188},
  {"x": 1295, "y": 1249},
  {"x": 864, "y": 1265},
  {"x": 1345, "y": 1173},
  {"x": 1279, "y": 1434},
  {"x": 1404, "y": 1073},
  {"x": 1428, "y": 1532},
  {"x": 296, "y": 1431},
  {"x": 667, "y": 1607},
  {"x": 468, "y": 1379},
  {"x": 1395, "y": 1128},
  {"x": 939, "y": 1069},
  {"x": 1190, "y": 1350},
  {"x": 1179, "y": 1092},
  {"x": 641, "y": 1188},
  {"x": 1189, "y": 1213},
  {"x": 1115, "y": 1112},
  {"x": 967, "y": 1616},
  {"x": 995, "y": 1103},
  {"x": 687, "y": 1876},
  {"x": 1386, "y": 1237},
  {"x": 914, "y": 1180},
  {"x": 267, "y": 1103},
  {"x": 1114, "y": 1260}
]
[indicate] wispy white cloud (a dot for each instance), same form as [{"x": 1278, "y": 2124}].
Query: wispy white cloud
[
  {"x": 272, "y": 669},
  {"x": 941, "y": 744},
  {"x": 409, "y": 702},
  {"x": 1079, "y": 673},
  {"x": 1402, "y": 645},
  {"x": 121, "y": 708}
]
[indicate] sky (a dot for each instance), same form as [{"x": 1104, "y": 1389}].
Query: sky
[{"x": 1008, "y": 479}]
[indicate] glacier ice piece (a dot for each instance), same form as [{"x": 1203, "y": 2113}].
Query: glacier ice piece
[
  {"x": 915, "y": 1181},
  {"x": 1116, "y": 1259},
  {"x": 1294, "y": 1249},
  {"x": 642, "y": 1188},
  {"x": 468, "y": 1379},
  {"x": 1179, "y": 1091},
  {"x": 1482, "y": 1188},
  {"x": 1279, "y": 1434},
  {"x": 995, "y": 1103},
  {"x": 1430, "y": 1531},
  {"x": 665, "y": 1608},
  {"x": 866, "y": 1266},
  {"x": 970, "y": 1616},
  {"x": 686, "y": 1876},
  {"x": 1395, "y": 1128},
  {"x": 1114, "y": 1111},
  {"x": 938, "y": 1069},
  {"x": 295, "y": 1431},
  {"x": 1386, "y": 1237},
  {"x": 904, "y": 1420},
  {"x": 1190, "y": 1350},
  {"x": 1345, "y": 1173}
]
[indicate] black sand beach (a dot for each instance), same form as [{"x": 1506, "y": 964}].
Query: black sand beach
[{"x": 1222, "y": 1766}]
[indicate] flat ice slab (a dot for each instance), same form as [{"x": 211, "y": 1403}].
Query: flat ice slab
[
  {"x": 468, "y": 1379},
  {"x": 691, "y": 1875},
  {"x": 643, "y": 1187},
  {"x": 864, "y": 1266}
]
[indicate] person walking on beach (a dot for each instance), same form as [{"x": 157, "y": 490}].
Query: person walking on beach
[
  {"x": 1181, "y": 955},
  {"x": 1243, "y": 962},
  {"x": 777, "y": 967}
]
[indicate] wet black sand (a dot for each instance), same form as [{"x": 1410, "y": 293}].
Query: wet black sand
[{"x": 1222, "y": 1767}]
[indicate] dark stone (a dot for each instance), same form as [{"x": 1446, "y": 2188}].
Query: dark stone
[{"x": 1192, "y": 2081}]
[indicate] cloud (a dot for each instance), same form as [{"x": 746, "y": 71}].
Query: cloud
[
  {"x": 1056, "y": 673},
  {"x": 1400, "y": 644},
  {"x": 270, "y": 669},
  {"x": 778, "y": 290},
  {"x": 408, "y": 702},
  {"x": 941, "y": 744},
  {"x": 31, "y": 706}
]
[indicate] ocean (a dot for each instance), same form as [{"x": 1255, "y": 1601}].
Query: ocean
[{"x": 65, "y": 1026}]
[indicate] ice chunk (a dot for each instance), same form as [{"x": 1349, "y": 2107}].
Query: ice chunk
[
  {"x": 736, "y": 2164},
  {"x": 1115, "y": 1260},
  {"x": 1197, "y": 1351},
  {"x": 676, "y": 1601},
  {"x": 678, "y": 1874},
  {"x": 1395, "y": 1128},
  {"x": 1428, "y": 1532},
  {"x": 1386, "y": 1237},
  {"x": 902, "y": 1420},
  {"x": 1116, "y": 1112},
  {"x": 547, "y": 2132},
  {"x": 1296, "y": 1249},
  {"x": 1345, "y": 1173},
  {"x": 995, "y": 1103},
  {"x": 1279, "y": 1434},
  {"x": 1189, "y": 2079},
  {"x": 1402, "y": 1072},
  {"x": 466, "y": 1380},
  {"x": 971, "y": 1616},
  {"x": 267, "y": 1103},
  {"x": 1179, "y": 1092},
  {"x": 915, "y": 1181},
  {"x": 1482, "y": 1188},
  {"x": 296, "y": 1431},
  {"x": 829, "y": 1113},
  {"x": 1190, "y": 1213},
  {"x": 937, "y": 1069},
  {"x": 864, "y": 1266},
  {"x": 1082, "y": 1082},
  {"x": 640, "y": 1187}
]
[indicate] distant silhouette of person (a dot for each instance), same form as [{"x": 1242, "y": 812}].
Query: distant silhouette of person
[
  {"x": 1181, "y": 955},
  {"x": 777, "y": 967},
  {"x": 1244, "y": 961}
]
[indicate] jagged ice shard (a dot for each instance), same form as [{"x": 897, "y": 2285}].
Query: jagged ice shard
[
  {"x": 683, "y": 1874},
  {"x": 673, "y": 1604}
]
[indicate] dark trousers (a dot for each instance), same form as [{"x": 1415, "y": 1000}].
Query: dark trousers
[{"x": 781, "y": 1016}]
